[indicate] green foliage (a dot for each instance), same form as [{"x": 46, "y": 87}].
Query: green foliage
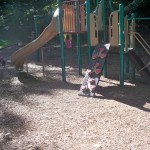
[
  {"x": 16, "y": 16},
  {"x": 4, "y": 43}
]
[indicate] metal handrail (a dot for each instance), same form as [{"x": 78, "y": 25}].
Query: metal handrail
[
  {"x": 144, "y": 42},
  {"x": 145, "y": 66}
]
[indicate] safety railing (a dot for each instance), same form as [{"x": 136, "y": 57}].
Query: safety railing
[{"x": 141, "y": 40}]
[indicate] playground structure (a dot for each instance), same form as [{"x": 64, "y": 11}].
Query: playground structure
[
  {"x": 74, "y": 17},
  {"x": 75, "y": 20},
  {"x": 130, "y": 37}
]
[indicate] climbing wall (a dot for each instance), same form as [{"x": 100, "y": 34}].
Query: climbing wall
[{"x": 94, "y": 71}]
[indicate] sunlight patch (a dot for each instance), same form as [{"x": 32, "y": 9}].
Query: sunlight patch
[
  {"x": 111, "y": 82},
  {"x": 146, "y": 105},
  {"x": 15, "y": 81},
  {"x": 34, "y": 66},
  {"x": 130, "y": 84},
  {"x": 97, "y": 146},
  {"x": 50, "y": 67},
  {"x": 56, "y": 12}
]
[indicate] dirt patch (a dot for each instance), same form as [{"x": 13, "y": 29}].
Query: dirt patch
[{"x": 43, "y": 113}]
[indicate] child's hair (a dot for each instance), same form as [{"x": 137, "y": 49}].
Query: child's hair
[{"x": 68, "y": 37}]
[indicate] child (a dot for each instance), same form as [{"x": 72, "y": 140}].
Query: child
[
  {"x": 68, "y": 41},
  {"x": 2, "y": 61}
]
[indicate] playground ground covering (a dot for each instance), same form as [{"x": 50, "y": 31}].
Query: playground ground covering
[{"x": 43, "y": 113}]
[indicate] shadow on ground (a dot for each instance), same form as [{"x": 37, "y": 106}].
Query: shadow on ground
[
  {"x": 135, "y": 96},
  {"x": 50, "y": 83},
  {"x": 11, "y": 126}
]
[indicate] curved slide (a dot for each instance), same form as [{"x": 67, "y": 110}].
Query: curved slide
[{"x": 18, "y": 58}]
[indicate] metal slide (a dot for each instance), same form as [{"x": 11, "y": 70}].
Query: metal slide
[{"x": 18, "y": 58}]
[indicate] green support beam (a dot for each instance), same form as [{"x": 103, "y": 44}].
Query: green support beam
[
  {"x": 61, "y": 42},
  {"x": 79, "y": 54},
  {"x": 111, "y": 5},
  {"x": 78, "y": 39},
  {"x": 88, "y": 28},
  {"x": 104, "y": 32},
  {"x": 121, "y": 43},
  {"x": 132, "y": 44}
]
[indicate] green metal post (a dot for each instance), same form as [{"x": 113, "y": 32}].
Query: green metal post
[
  {"x": 61, "y": 42},
  {"x": 78, "y": 39},
  {"x": 121, "y": 43},
  {"x": 126, "y": 43},
  {"x": 104, "y": 32},
  {"x": 88, "y": 28},
  {"x": 127, "y": 64},
  {"x": 79, "y": 54},
  {"x": 97, "y": 1},
  {"x": 110, "y": 5},
  {"x": 132, "y": 43},
  {"x": 103, "y": 21},
  {"x": 36, "y": 18}
]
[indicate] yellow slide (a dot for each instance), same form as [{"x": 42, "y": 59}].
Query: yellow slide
[{"x": 18, "y": 58}]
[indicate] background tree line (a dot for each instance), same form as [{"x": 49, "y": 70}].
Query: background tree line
[{"x": 16, "y": 16}]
